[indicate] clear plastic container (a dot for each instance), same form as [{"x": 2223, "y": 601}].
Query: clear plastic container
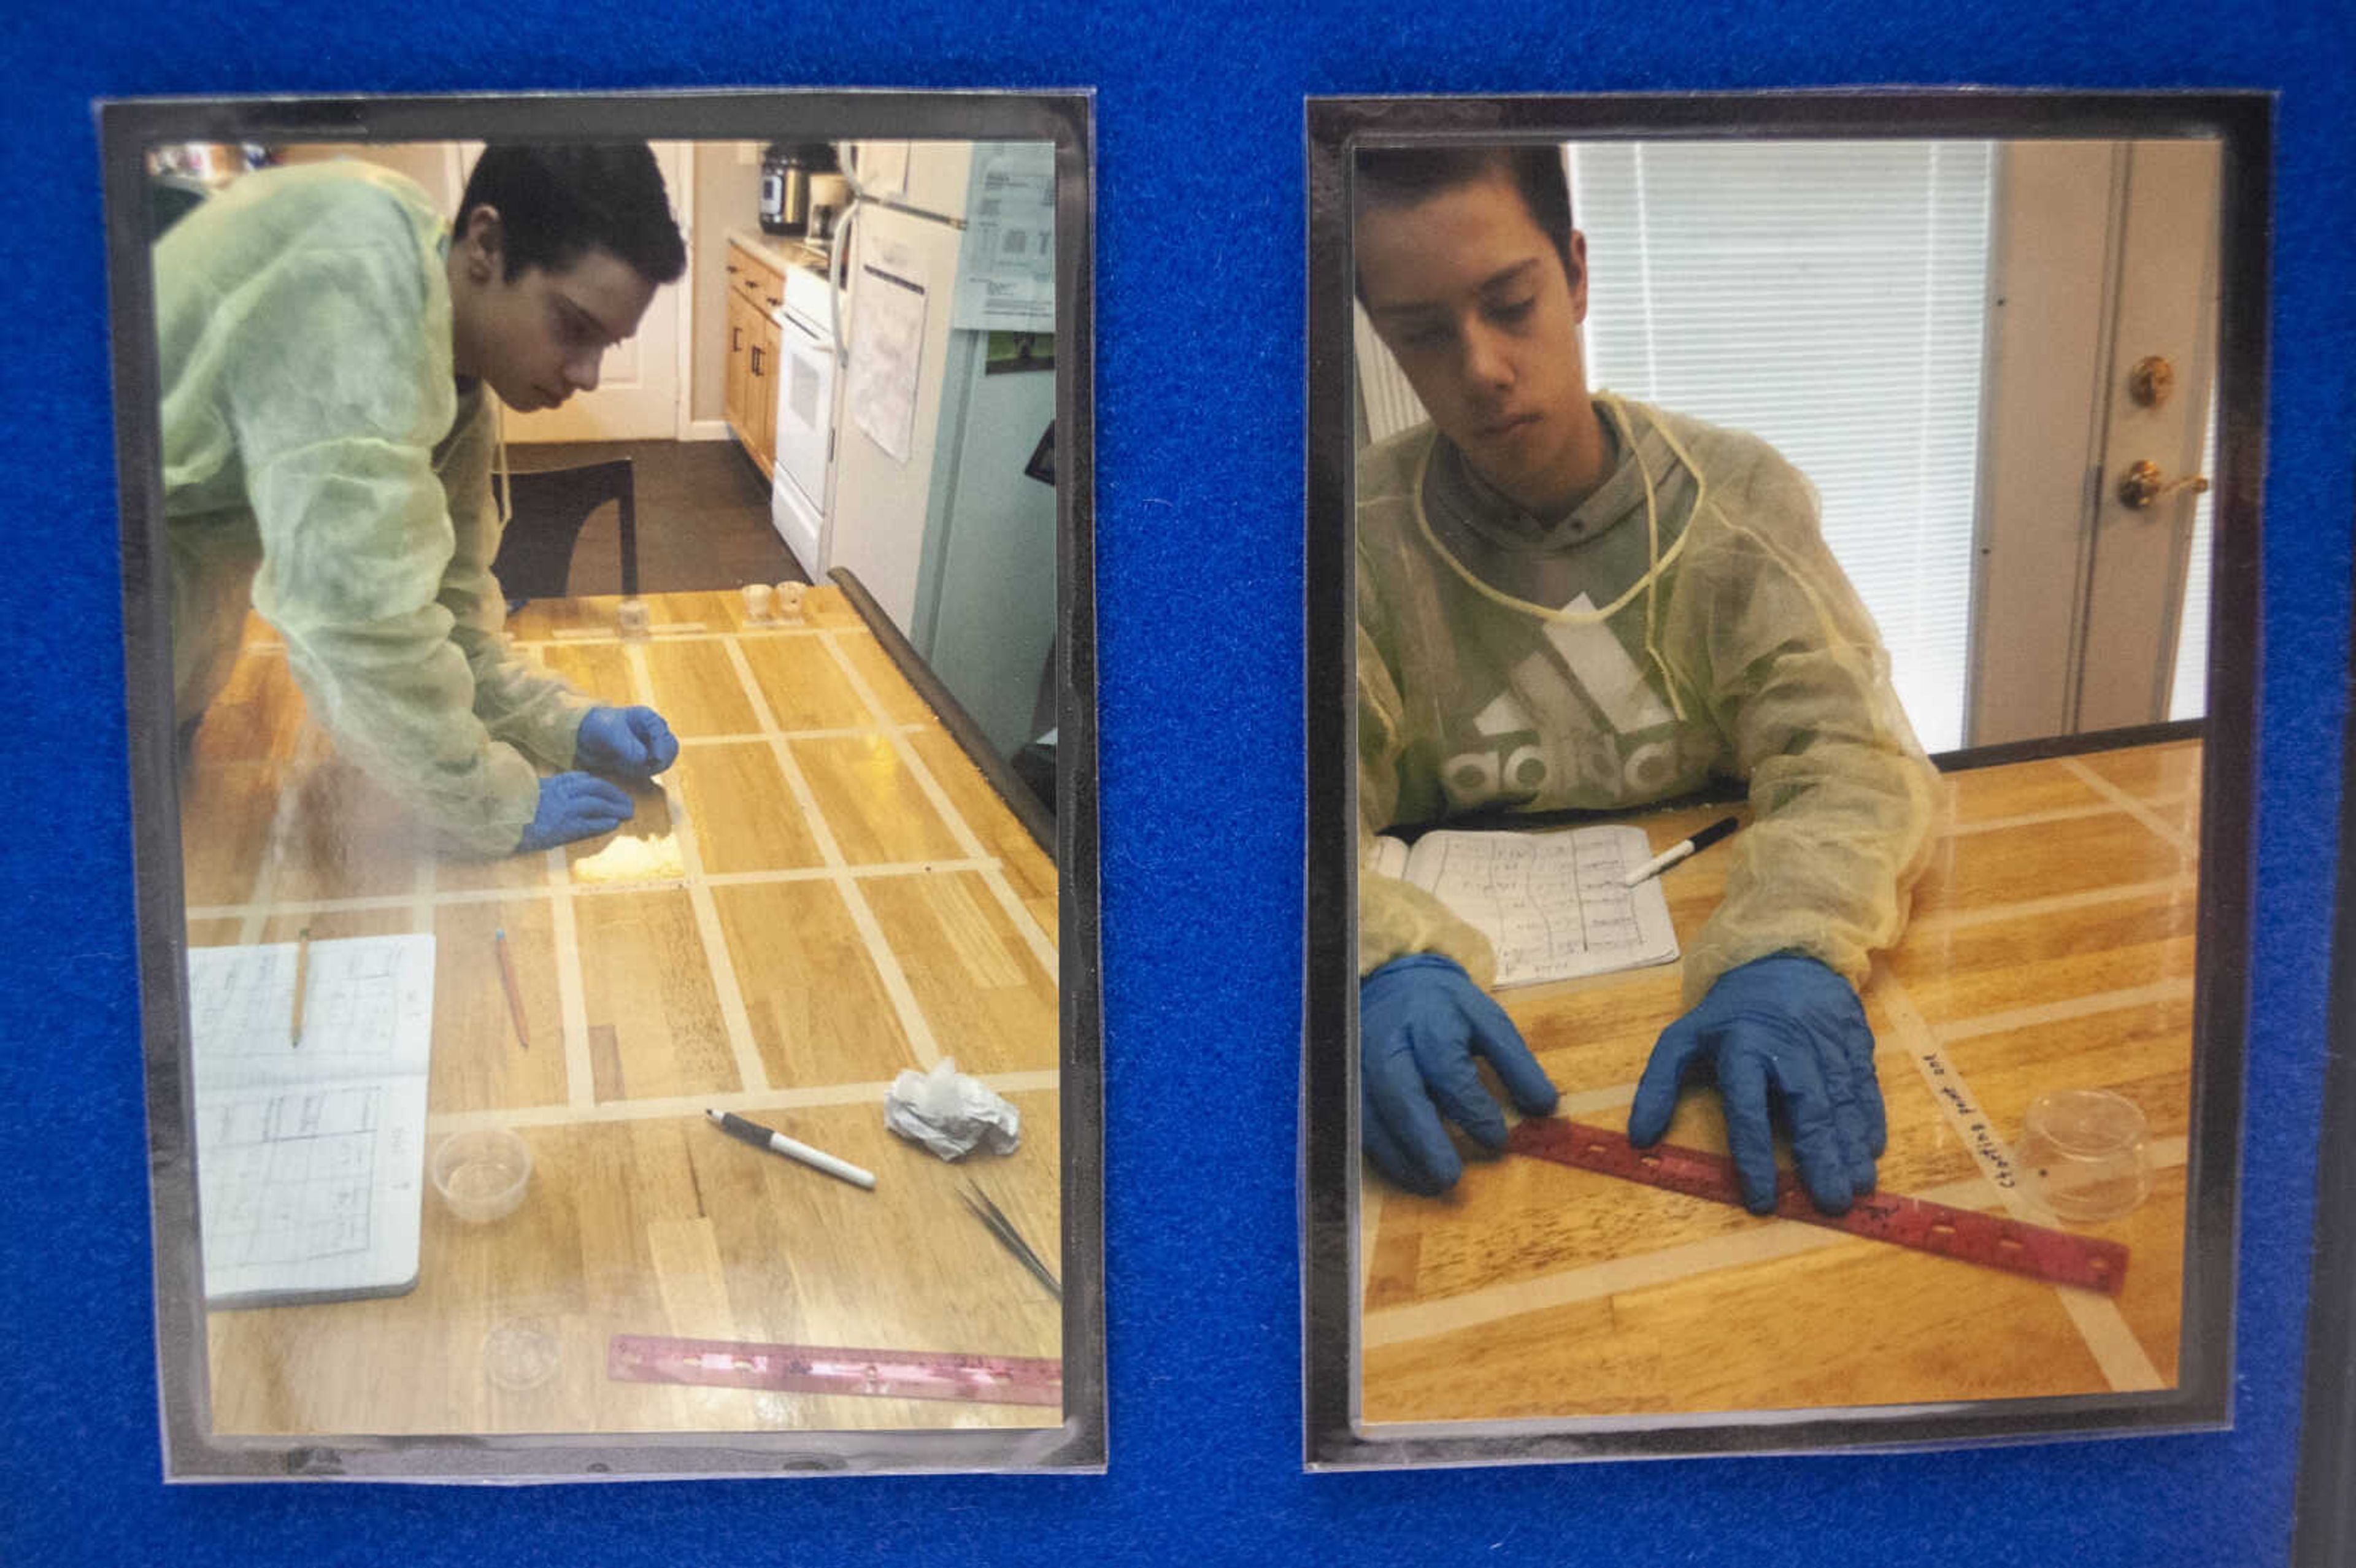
[
  {"x": 2083, "y": 1153},
  {"x": 481, "y": 1175}
]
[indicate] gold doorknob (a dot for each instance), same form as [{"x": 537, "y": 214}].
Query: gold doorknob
[{"x": 2144, "y": 485}]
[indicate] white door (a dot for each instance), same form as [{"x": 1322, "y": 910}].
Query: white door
[
  {"x": 640, "y": 386},
  {"x": 2108, "y": 259},
  {"x": 2167, "y": 318}
]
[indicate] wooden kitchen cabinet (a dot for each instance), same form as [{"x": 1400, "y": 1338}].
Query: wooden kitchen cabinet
[
  {"x": 740, "y": 354},
  {"x": 755, "y": 288},
  {"x": 743, "y": 355},
  {"x": 767, "y": 408}
]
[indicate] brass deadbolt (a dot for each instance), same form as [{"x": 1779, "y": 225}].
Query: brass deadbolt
[
  {"x": 2151, "y": 380},
  {"x": 2144, "y": 485}
]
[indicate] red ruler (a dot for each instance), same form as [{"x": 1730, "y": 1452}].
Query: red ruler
[
  {"x": 827, "y": 1368},
  {"x": 1991, "y": 1240}
]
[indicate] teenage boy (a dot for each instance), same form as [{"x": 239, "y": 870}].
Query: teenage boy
[
  {"x": 1567, "y": 601},
  {"x": 330, "y": 350}
]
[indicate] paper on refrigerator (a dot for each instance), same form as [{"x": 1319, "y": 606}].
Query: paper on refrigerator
[
  {"x": 887, "y": 351},
  {"x": 1006, "y": 260}
]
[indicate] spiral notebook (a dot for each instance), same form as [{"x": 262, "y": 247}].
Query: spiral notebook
[
  {"x": 311, "y": 1157},
  {"x": 1551, "y": 904}
]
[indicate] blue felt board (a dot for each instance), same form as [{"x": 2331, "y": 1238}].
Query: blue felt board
[{"x": 1199, "y": 465}]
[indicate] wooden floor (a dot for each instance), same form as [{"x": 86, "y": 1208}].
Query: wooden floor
[
  {"x": 2051, "y": 947},
  {"x": 822, "y": 892},
  {"x": 703, "y": 517}
]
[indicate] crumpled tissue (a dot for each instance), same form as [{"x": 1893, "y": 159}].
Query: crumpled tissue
[{"x": 950, "y": 1113}]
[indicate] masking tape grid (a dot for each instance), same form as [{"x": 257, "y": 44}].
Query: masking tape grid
[
  {"x": 2139, "y": 809},
  {"x": 814, "y": 1097},
  {"x": 421, "y": 896},
  {"x": 750, "y": 1071},
  {"x": 2059, "y": 903},
  {"x": 781, "y": 750},
  {"x": 558, "y": 888},
  {"x": 2121, "y": 1358},
  {"x": 878, "y": 871},
  {"x": 931, "y": 787},
  {"x": 572, "y": 997},
  {"x": 2044, "y": 818},
  {"x": 1042, "y": 947},
  {"x": 896, "y": 988},
  {"x": 2124, "y": 1364},
  {"x": 671, "y": 630},
  {"x": 1424, "y": 1320},
  {"x": 591, "y": 636},
  {"x": 674, "y": 632},
  {"x": 841, "y": 732},
  {"x": 1017, "y": 912},
  {"x": 258, "y": 909},
  {"x": 913, "y": 1022},
  {"x": 2157, "y": 993}
]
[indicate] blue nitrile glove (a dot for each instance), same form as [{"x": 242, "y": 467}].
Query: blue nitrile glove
[
  {"x": 633, "y": 742},
  {"x": 1421, "y": 1020},
  {"x": 574, "y": 805},
  {"x": 1787, "y": 1025}
]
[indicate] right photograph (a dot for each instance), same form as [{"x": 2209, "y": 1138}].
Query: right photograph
[{"x": 1780, "y": 671}]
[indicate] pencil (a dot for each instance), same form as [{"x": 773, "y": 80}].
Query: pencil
[
  {"x": 302, "y": 974},
  {"x": 507, "y": 980}
]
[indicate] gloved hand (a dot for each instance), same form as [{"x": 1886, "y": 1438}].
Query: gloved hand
[
  {"x": 1421, "y": 1022},
  {"x": 633, "y": 742},
  {"x": 574, "y": 805},
  {"x": 1788, "y": 1024}
]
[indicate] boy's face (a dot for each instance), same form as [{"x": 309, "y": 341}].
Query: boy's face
[
  {"x": 1474, "y": 302},
  {"x": 538, "y": 337}
]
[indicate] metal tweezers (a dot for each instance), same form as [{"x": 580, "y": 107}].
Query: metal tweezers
[{"x": 1003, "y": 1229}]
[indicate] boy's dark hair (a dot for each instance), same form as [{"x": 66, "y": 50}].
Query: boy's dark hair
[
  {"x": 556, "y": 201},
  {"x": 1403, "y": 176}
]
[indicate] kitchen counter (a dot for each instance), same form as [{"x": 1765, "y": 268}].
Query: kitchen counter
[{"x": 779, "y": 250}]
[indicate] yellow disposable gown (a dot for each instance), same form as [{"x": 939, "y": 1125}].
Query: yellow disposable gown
[
  {"x": 1700, "y": 630},
  {"x": 319, "y": 457}
]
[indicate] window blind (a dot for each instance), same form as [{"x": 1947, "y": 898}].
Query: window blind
[{"x": 1830, "y": 297}]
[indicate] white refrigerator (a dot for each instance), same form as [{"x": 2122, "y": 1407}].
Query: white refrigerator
[{"x": 934, "y": 507}]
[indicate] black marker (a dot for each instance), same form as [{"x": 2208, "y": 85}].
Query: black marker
[
  {"x": 1676, "y": 852},
  {"x": 759, "y": 1137}
]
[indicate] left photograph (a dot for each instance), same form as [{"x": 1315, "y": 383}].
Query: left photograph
[{"x": 609, "y": 646}]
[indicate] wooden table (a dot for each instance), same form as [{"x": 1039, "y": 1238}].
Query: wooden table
[
  {"x": 2051, "y": 947},
  {"x": 823, "y": 892}
]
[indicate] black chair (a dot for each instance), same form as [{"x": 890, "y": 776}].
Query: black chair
[
  {"x": 171, "y": 198},
  {"x": 550, "y": 508}
]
